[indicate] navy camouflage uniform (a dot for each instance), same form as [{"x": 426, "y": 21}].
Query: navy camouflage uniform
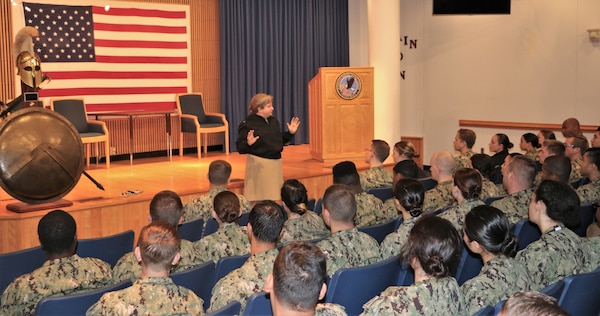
[
  {"x": 393, "y": 242},
  {"x": 575, "y": 170},
  {"x": 463, "y": 160},
  {"x": 349, "y": 248},
  {"x": 370, "y": 210},
  {"x": 515, "y": 206},
  {"x": 375, "y": 177},
  {"x": 330, "y": 309},
  {"x": 308, "y": 226},
  {"x": 456, "y": 214},
  {"x": 589, "y": 193},
  {"x": 439, "y": 197},
  {"x": 229, "y": 240},
  {"x": 490, "y": 189},
  {"x": 202, "y": 206}
]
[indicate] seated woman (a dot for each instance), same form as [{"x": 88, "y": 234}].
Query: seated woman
[
  {"x": 432, "y": 249},
  {"x": 545, "y": 134},
  {"x": 487, "y": 233},
  {"x": 559, "y": 252},
  {"x": 408, "y": 200},
  {"x": 230, "y": 239},
  {"x": 483, "y": 164},
  {"x": 405, "y": 150},
  {"x": 301, "y": 223},
  {"x": 499, "y": 145},
  {"x": 466, "y": 191},
  {"x": 530, "y": 145}
]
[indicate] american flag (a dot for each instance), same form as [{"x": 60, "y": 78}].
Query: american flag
[{"x": 117, "y": 58}]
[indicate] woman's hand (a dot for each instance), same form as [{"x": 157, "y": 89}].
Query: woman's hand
[
  {"x": 251, "y": 139},
  {"x": 293, "y": 125}
]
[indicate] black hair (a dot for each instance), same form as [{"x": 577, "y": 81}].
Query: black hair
[
  {"x": 227, "y": 206},
  {"x": 532, "y": 139},
  {"x": 483, "y": 163},
  {"x": 167, "y": 206},
  {"x": 562, "y": 202},
  {"x": 594, "y": 156},
  {"x": 340, "y": 202},
  {"x": 294, "y": 196},
  {"x": 407, "y": 168},
  {"x": 266, "y": 219},
  {"x": 489, "y": 227},
  {"x": 56, "y": 231},
  {"x": 468, "y": 182},
  {"x": 504, "y": 141},
  {"x": 410, "y": 194}
]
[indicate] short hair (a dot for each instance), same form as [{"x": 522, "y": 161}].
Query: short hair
[
  {"x": 340, "y": 202},
  {"x": 227, "y": 206},
  {"x": 532, "y": 303},
  {"x": 435, "y": 243},
  {"x": 548, "y": 134},
  {"x": 468, "y": 136},
  {"x": 504, "y": 141},
  {"x": 594, "y": 156},
  {"x": 469, "y": 182},
  {"x": 410, "y": 194},
  {"x": 581, "y": 142},
  {"x": 561, "y": 200},
  {"x": 554, "y": 147},
  {"x": 299, "y": 273},
  {"x": 294, "y": 196},
  {"x": 167, "y": 206},
  {"x": 444, "y": 161},
  {"x": 571, "y": 126},
  {"x": 266, "y": 218},
  {"x": 406, "y": 149},
  {"x": 57, "y": 231},
  {"x": 482, "y": 163},
  {"x": 381, "y": 149},
  {"x": 259, "y": 101},
  {"x": 219, "y": 172},
  {"x": 407, "y": 168},
  {"x": 490, "y": 227},
  {"x": 532, "y": 139},
  {"x": 345, "y": 173},
  {"x": 159, "y": 242},
  {"x": 523, "y": 168},
  {"x": 559, "y": 166}
]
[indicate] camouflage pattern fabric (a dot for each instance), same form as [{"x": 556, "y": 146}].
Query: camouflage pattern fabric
[
  {"x": 370, "y": 211},
  {"x": 349, "y": 248},
  {"x": 429, "y": 297},
  {"x": 575, "y": 174},
  {"x": 309, "y": 226},
  {"x": 56, "y": 277},
  {"x": 589, "y": 193},
  {"x": 229, "y": 240},
  {"x": 499, "y": 278},
  {"x": 557, "y": 254},
  {"x": 439, "y": 197},
  {"x": 463, "y": 160},
  {"x": 149, "y": 296},
  {"x": 375, "y": 177},
  {"x": 456, "y": 214},
  {"x": 593, "y": 252},
  {"x": 532, "y": 154},
  {"x": 202, "y": 206},
  {"x": 330, "y": 309},
  {"x": 489, "y": 189},
  {"x": 392, "y": 244},
  {"x": 240, "y": 283},
  {"x": 128, "y": 267},
  {"x": 515, "y": 206}
]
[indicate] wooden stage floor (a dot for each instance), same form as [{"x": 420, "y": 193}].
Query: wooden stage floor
[{"x": 102, "y": 213}]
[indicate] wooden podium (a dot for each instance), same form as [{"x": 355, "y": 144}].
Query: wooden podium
[{"x": 340, "y": 109}]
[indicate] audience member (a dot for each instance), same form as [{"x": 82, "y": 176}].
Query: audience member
[
  {"x": 550, "y": 148},
  {"x": 593, "y": 229},
  {"x": 301, "y": 223},
  {"x": 405, "y": 169},
  {"x": 559, "y": 252},
  {"x": 595, "y": 141},
  {"x": 432, "y": 249},
  {"x": 574, "y": 148},
  {"x": 545, "y": 134},
  {"x": 530, "y": 145},
  {"x": 64, "y": 272},
  {"x": 483, "y": 164},
  {"x": 557, "y": 168},
  {"x": 264, "y": 227},
  {"x": 487, "y": 232},
  {"x": 230, "y": 239},
  {"x": 442, "y": 167},
  {"x": 219, "y": 173},
  {"x": 405, "y": 150},
  {"x": 154, "y": 293},
  {"x": 531, "y": 303},
  {"x": 298, "y": 282},
  {"x": 369, "y": 208},
  {"x": 570, "y": 127},
  {"x": 165, "y": 206},
  {"x": 347, "y": 247},
  {"x": 463, "y": 143},
  {"x": 499, "y": 145},
  {"x": 590, "y": 168},
  {"x": 408, "y": 200},
  {"x": 466, "y": 190},
  {"x": 376, "y": 176},
  {"x": 517, "y": 178}
]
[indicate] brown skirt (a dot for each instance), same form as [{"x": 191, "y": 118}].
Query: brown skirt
[{"x": 264, "y": 178}]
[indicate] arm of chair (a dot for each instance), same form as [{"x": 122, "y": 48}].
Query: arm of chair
[
  {"x": 97, "y": 127},
  {"x": 216, "y": 118}
]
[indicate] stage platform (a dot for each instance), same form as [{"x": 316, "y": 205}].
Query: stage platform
[{"x": 102, "y": 213}]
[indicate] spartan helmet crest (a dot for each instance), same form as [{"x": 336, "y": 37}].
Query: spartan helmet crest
[{"x": 28, "y": 62}]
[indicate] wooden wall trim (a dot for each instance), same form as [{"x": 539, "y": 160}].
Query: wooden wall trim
[{"x": 520, "y": 125}]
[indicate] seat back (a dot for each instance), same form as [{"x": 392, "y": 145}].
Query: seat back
[
  {"x": 382, "y": 193},
  {"x": 555, "y": 289},
  {"x": 378, "y": 232},
  {"x": 371, "y": 279},
  {"x": 311, "y": 204},
  {"x": 428, "y": 183},
  {"x": 469, "y": 266},
  {"x": 581, "y": 293},
  {"x": 109, "y": 248},
  {"x": 258, "y": 305},
  {"x": 228, "y": 264},
  {"x": 232, "y": 308},
  {"x": 74, "y": 111},
  {"x": 526, "y": 232},
  {"x": 586, "y": 217},
  {"x": 406, "y": 276},
  {"x": 399, "y": 221},
  {"x": 486, "y": 311},
  {"x": 192, "y": 104},
  {"x": 243, "y": 220},
  {"x": 191, "y": 230},
  {"x": 198, "y": 279},
  {"x": 319, "y": 206},
  {"x": 17, "y": 263},
  {"x": 489, "y": 200},
  {"x": 76, "y": 304},
  {"x": 211, "y": 226}
]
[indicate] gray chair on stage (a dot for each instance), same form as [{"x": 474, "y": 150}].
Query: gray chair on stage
[
  {"x": 90, "y": 131},
  {"x": 195, "y": 120},
  {"x": 109, "y": 248}
]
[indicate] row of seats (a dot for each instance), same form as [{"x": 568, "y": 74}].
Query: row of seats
[{"x": 194, "y": 230}]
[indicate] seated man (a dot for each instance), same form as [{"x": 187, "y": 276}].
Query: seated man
[
  {"x": 590, "y": 168},
  {"x": 442, "y": 168},
  {"x": 264, "y": 227},
  {"x": 518, "y": 173},
  {"x": 376, "y": 176},
  {"x": 165, "y": 206},
  {"x": 298, "y": 281},
  {"x": 595, "y": 141},
  {"x": 463, "y": 143},
  {"x": 557, "y": 168},
  {"x": 154, "y": 293},
  {"x": 347, "y": 247},
  {"x": 64, "y": 273},
  {"x": 574, "y": 148}
]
